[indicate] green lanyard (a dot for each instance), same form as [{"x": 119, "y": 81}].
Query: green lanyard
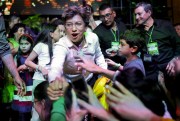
[
  {"x": 114, "y": 34},
  {"x": 150, "y": 35}
]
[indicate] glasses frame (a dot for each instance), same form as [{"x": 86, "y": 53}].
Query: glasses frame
[
  {"x": 78, "y": 25},
  {"x": 107, "y": 15}
]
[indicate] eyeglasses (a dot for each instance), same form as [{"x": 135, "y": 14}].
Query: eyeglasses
[
  {"x": 108, "y": 15},
  {"x": 78, "y": 25}
]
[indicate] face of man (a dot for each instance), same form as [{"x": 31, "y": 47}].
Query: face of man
[
  {"x": 107, "y": 16},
  {"x": 177, "y": 28},
  {"x": 141, "y": 15}
]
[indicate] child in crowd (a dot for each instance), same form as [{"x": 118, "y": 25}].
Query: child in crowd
[
  {"x": 43, "y": 104},
  {"x": 130, "y": 44},
  {"x": 14, "y": 35},
  {"x": 132, "y": 74},
  {"x": 59, "y": 23},
  {"x": 43, "y": 50},
  {"x": 22, "y": 106}
]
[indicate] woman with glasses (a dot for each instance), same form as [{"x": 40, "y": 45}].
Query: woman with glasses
[{"x": 77, "y": 42}]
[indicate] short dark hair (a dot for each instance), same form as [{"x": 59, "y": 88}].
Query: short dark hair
[
  {"x": 40, "y": 93},
  {"x": 75, "y": 10},
  {"x": 147, "y": 6},
  {"x": 57, "y": 22},
  {"x": 87, "y": 6},
  {"x": 134, "y": 37},
  {"x": 15, "y": 29},
  {"x": 104, "y": 6},
  {"x": 177, "y": 24}
]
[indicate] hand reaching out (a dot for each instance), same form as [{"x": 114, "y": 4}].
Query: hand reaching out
[
  {"x": 127, "y": 105},
  {"x": 95, "y": 108},
  {"x": 56, "y": 88},
  {"x": 86, "y": 64}
]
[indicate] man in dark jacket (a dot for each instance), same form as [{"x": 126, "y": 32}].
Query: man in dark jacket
[
  {"x": 162, "y": 46},
  {"x": 109, "y": 31}
]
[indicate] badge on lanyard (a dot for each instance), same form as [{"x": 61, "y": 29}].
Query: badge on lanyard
[
  {"x": 115, "y": 45},
  {"x": 147, "y": 58},
  {"x": 153, "y": 48}
]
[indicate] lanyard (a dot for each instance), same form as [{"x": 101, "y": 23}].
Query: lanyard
[
  {"x": 114, "y": 34},
  {"x": 150, "y": 35}
]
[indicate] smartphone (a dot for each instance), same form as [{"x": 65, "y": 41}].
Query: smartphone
[{"x": 80, "y": 87}]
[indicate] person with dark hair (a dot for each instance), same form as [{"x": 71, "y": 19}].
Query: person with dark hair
[
  {"x": 43, "y": 50},
  {"x": 60, "y": 24},
  {"x": 42, "y": 103},
  {"x": 162, "y": 48},
  {"x": 131, "y": 43},
  {"x": 92, "y": 23},
  {"x": 124, "y": 102},
  {"x": 76, "y": 42},
  {"x": 14, "y": 35},
  {"x": 14, "y": 19},
  {"x": 109, "y": 32},
  {"x": 132, "y": 75},
  {"x": 23, "y": 113}
]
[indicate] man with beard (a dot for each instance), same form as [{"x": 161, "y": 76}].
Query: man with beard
[
  {"x": 162, "y": 47},
  {"x": 109, "y": 31}
]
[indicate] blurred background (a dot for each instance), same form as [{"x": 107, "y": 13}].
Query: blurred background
[{"x": 164, "y": 9}]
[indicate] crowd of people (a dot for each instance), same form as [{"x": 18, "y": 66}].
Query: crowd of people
[{"x": 52, "y": 76}]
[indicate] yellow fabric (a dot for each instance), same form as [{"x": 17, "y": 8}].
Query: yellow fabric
[
  {"x": 100, "y": 90},
  {"x": 167, "y": 119}
]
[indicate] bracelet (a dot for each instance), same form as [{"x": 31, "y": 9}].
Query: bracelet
[{"x": 37, "y": 68}]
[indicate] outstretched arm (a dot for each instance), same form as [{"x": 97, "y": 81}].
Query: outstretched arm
[
  {"x": 92, "y": 67},
  {"x": 128, "y": 106}
]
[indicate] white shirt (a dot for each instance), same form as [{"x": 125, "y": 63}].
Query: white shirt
[
  {"x": 43, "y": 59},
  {"x": 63, "y": 56}
]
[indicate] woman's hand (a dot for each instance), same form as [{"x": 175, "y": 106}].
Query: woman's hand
[{"x": 57, "y": 88}]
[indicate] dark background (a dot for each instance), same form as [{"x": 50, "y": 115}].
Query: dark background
[{"x": 123, "y": 8}]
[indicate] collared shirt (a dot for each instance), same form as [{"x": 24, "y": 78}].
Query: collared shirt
[
  {"x": 168, "y": 45},
  {"x": 63, "y": 61},
  {"x": 107, "y": 36}
]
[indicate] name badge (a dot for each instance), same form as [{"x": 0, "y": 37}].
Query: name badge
[
  {"x": 147, "y": 58},
  {"x": 115, "y": 45},
  {"x": 153, "y": 48}
]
